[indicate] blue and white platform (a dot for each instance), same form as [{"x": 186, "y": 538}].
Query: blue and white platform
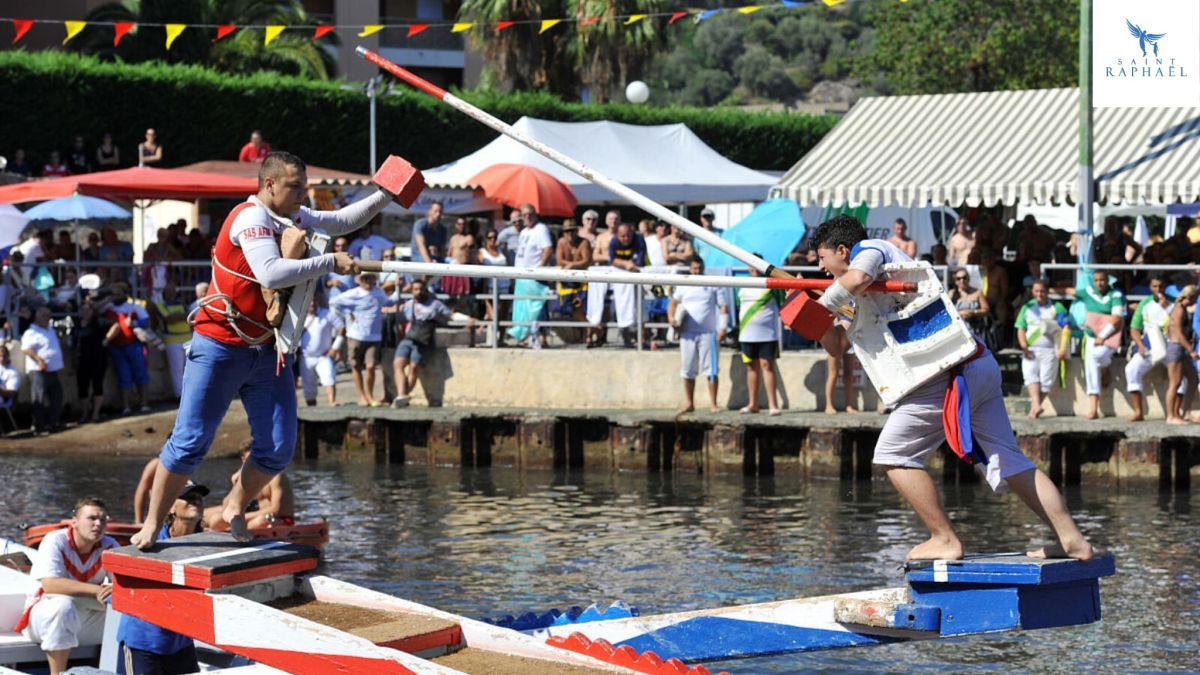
[{"x": 980, "y": 594}]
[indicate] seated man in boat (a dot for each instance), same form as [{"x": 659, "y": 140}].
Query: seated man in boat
[
  {"x": 67, "y": 609},
  {"x": 274, "y": 505},
  {"x": 916, "y": 427},
  {"x": 146, "y": 648}
]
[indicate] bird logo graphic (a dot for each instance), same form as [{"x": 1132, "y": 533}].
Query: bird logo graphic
[{"x": 1144, "y": 38}]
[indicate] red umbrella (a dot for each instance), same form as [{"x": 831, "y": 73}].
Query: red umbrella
[
  {"x": 139, "y": 182},
  {"x": 517, "y": 184}
]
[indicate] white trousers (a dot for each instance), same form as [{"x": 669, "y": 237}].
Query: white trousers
[
  {"x": 1041, "y": 369},
  {"x": 314, "y": 369},
  {"x": 1095, "y": 359},
  {"x": 65, "y": 622},
  {"x": 176, "y": 358},
  {"x": 1135, "y": 372}
]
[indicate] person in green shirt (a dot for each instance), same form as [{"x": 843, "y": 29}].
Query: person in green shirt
[
  {"x": 1105, "y": 318},
  {"x": 1038, "y": 324},
  {"x": 1153, "y": 310}
]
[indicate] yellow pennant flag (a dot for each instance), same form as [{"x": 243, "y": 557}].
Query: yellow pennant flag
[
  {"x": 634, "y": 18},
  {"x": 460, "y": 27},
  {"x": 73, "y": 28},
  {"x": 272, "y": 33},
  {"x": 370, "y": 30},
  {"x": 173, "y": 31},
  {"x": 547, "y": 24},
  {"x": 831, "y": 3},
  {"x": 749, "y": 10}
]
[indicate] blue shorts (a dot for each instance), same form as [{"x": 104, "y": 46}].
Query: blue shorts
[
  {"x": 130, "y": 363},
  {"x": 141, "y": 662},
  {"x": 415, "y": 353},
  {"x": 216, "y": 373}
]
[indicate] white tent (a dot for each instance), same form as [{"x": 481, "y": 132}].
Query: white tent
[{"x": 667, "y": 163}]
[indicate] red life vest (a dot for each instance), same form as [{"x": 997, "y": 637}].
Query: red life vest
[
  {"x": 249, "y": 310},
  {"x": 82, "y": 576}
]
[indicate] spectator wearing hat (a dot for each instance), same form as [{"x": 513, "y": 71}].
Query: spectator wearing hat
[
  {"x": 708, "y": 219},
  {"x": 363, "y": 309},
  {"x": 145, "y": 647}
]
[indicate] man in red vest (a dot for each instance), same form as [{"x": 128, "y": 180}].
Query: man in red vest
[
  {"x": 233, "y": 352},
  {"x": 67, "y": 608}
]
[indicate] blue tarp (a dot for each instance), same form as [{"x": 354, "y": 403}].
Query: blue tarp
[{"x": 772, "y": 230}]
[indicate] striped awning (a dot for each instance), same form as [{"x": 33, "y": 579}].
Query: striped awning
[{"x": 1003, "y": 147}]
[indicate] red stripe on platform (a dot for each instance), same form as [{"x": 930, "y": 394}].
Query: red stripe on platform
[
  {"x": 317, "y": 664},
  {"x": 443, "y": 637}
]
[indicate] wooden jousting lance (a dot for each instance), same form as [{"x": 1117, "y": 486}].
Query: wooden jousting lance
[
  {"x": 611, "y": 185},
  {"x": 553, "y": 274}
]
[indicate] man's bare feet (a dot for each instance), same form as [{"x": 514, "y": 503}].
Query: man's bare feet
[
  {"x": 237, "y": 527},
  {"x": 685, "y": 410},
  {"x": 937, "y": 549},
  {"x": 830, "y": 410},
  {"x": 715, "y": 408},
  {"x": 1079, "y": 550},
  {"x": 1092, "y": 415},
  {"x": 147, "y": 536},
  {"x": 851, "y": 410},
  {"x": 1137, "y": 418},
  {"x": 1177, "y": 420}
]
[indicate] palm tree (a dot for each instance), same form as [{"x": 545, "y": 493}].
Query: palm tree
[
  {"x": 599, "y": 56},
  {"x": 242, "y": 52}
]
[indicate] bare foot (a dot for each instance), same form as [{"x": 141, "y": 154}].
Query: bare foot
[
  {"x": 1079, "y": 550},
  {"x": 715, "y": 408},
  {"x": 830, "y": 410},
  {"x": 1177, "y": 420},
  {"x": 1035, "y": 413},
  {"x": 1136, "y": 418},
  {"x": 1092, "y": 415},
  {"x": 686, "y": 409},
  {"x": 748, "y": 410},
  {"x": 237, "y": 527},
  {"x": 851, "y": 410},
  {"x": 362, "y": 402},
  {"x": 937, "y": 549},
  {"x": 145, "y": 537}
]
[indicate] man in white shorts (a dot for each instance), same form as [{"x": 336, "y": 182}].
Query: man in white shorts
[
  {"x": 700, "y": 333},
  {"x": 67, "y": 609},
  {"x": 915, "y": 427},
  {"x": 320, "y": 344},
  {"x": 1154, "y": 310},
  {"x": 1038, "y": 324}
]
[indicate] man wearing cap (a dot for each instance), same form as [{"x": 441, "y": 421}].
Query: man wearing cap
[
  {"x": 364, "y": 329},
  {"x": 144, "y": 647},
  {"x": 67, "y": 607},
  {"x": 708, "y": 219}
]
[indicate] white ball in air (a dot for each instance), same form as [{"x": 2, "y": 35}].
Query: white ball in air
[{"x": 637, "y": 92}]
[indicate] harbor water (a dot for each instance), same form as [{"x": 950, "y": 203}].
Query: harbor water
[{"x": 487, "y": 542}]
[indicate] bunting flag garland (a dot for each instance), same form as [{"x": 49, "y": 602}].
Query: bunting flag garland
[
  {"x": 272, "y": 33},
  {"x": 119, "y": 31},
  {"x": 22, "y": 27},
  {"x": 173, "y": 31},
  {"x": 73, "y": 29}
]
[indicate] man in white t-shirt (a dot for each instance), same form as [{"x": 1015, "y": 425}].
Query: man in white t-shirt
[
  {"x": 370, "y": 246},
  {"x": 43, "y": 361},
  {"x": 10, "y": 379},
  {"x": 534, "y": 249},
  {"x": 758, "y": 335},
  {"x": 701, "y": 330},
  {"x": 67, "y": 608},
  {"x": 320, "y": 344}
]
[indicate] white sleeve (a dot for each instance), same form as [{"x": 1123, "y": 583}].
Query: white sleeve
[
  {"x": 48, "y": 563},
  {"x": 257, "y": 240},
  {"x": 1119, "y": 306},
  {"x": 348, "y": 218},
  {"x": 869, "y": 261},
  {"x": 544, "y": 236}
]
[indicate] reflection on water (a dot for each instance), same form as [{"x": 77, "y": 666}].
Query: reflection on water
[{"x": 494, "y": 541}]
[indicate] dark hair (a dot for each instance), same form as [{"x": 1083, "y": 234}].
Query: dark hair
[
  {"x": 841, "y": 230},
  {"x": 89, "y": 501},
  {"x": 697, "y": 259},
  {"x": 900, "y": 221},
  {"x": 273, "y": 163}
]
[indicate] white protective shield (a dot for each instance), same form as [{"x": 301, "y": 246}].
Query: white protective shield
[
  {"x": 903, "y": 340},
  {"x": 287, "y": 336}
]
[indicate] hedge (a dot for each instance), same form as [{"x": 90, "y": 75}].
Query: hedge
[{"x": 47, "y": 98}]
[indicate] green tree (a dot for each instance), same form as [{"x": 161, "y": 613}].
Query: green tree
[
  {"x": 936, "y": 46},
  {"x": 243, "y": 52}
]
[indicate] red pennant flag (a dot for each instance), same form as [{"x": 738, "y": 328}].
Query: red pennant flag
[
  {"x": 224, "y": 30},
  {"x": 417, "y": 29},
  {"x": 501, "y": 25},
  {"x": 676, "y": 16},
  {"x": 119, "y": 31},
  {"x": 22, "y": 26},
  {"x": 589, "y": 21},
  {"x": 322, "y": 31}
]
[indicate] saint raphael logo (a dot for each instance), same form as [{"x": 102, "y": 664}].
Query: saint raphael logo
[{"x": 1146, "y": 67}]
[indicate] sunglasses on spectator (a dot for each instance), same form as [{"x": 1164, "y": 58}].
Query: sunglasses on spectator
[{"x": 961, "y": 278}]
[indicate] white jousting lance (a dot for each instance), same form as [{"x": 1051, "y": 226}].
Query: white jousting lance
[
  {"x": 611, "y": 185},
  {"x": 553, "y": 274}
]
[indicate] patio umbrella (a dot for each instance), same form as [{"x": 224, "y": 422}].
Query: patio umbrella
[
  {"x": 12, "y": 224},
  {"x": 517, "y": 184},
  {"x": 78, "y": 207}
]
